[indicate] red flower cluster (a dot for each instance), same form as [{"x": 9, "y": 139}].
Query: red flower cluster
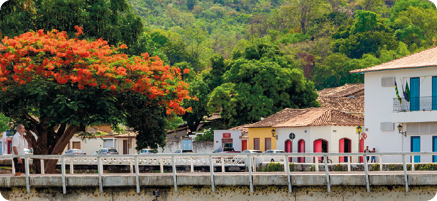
[{"x": 54, "y": 57}]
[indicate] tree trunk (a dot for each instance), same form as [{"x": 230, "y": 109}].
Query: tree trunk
[{"x": 50, "y": 165}]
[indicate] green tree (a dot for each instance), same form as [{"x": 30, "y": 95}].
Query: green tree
[
  {"x": 4, "y": 122},
  {"x": 260, "y": 82},
  {"x": 301, "y": 12}
]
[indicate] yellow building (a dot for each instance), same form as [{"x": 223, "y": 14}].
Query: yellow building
[{"x": 262, "y": 135}]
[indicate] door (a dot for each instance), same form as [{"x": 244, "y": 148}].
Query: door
[
  {"x": 256, "y": 144},
  {"x": 301, "y": 149},
  {"x": 318, "y": 148},
  {"x": 186, "y": 144},
  {"x": 267, "y": 144},
  {"x": 345, "y": 147},
  {"x": 288, "y": 148},
  {"x": 434, "y": 148},
  {"x": 434, "y": 93},
  {"x": 415, "y": 147},
  {"x": 415, "y": 94},
  {"x": 243, "y": 145},
  {"x": 125, "y": 149}
]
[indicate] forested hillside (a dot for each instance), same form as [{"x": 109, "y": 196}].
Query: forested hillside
[
  {"x": 247, "y": 58},
  {"x": 325, "y": 38}
]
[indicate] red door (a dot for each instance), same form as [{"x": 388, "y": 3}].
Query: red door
[
  {"x": 301, "y": 149},
  {"x": 243, "y": 145},
  {"x": 288, "y": 148},
  {"x": 318, "y": 148},
  {"x": 341, "y": 150}
]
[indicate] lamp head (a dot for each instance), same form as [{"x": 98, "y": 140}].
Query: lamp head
[
  {"x": 273, "y": 132},
  {"x": 399, "y": 127}
]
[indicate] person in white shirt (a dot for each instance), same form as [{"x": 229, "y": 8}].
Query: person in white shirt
[{"x": 18, "y": 149}]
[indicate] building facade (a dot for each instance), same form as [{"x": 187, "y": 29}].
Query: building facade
[{"x": 415, "y": 114}]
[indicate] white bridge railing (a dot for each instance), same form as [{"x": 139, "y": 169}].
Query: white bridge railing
[{"x": 210, "y": 159}]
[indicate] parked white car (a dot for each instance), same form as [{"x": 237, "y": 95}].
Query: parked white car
[{"x": 274, "y": 158}]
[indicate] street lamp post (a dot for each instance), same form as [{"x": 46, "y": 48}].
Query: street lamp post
[
  {"x": 359, "y": 130},
  {"x": 273, "y": 134}
]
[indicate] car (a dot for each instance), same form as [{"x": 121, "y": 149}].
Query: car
[
  {"x": 185, "y": 151},
  {"x": 147, "y": 151},
  {"x": 273, "y": 158},
  {"x": 107, "y": 151},
  {"x": 252, "y": 151},
  {"x": 28, "y": 151},
  {"x": 74, "y": 152},
  {"x": 226, "y": 150}
]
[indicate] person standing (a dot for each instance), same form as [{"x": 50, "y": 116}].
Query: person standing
[
  {"x": 367, "y": 151},
  {"x": 18, "y": 149},
  {"x": 373, "y": 159}
]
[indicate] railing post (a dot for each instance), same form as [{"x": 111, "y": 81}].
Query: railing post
[
  {"x": 405, "y": 172},
  {"x": 13, "y": 166},
  {"x": 161, "y": 165},
  {"x": 174, "y": 173},
  {"x": 223, "y": 163},
  {"x": 327, "y": 174},
  {"x": 250, "y": 173},
  {"x": 412, "y": 163},
  {"x": 380, "y": 163},
  {"x": 64, "y": 187},
  {"x": 131, "y": 166},
  {"x": 317, "y": 164},
  {"x": 253, "y": 160},
  {"x": 366, "y": 171},
  {"x": 349, "y": 163},
  {"x": 100, "y": 170},
  {"x": 42, "y": 166},
  {"x": 137, "y": 172},
  {"x": 211, "y": 170},
  {"x": 287, "y": 168},
  {"x": 192, "y": 165},
  {"x": 26, "y": 162}
]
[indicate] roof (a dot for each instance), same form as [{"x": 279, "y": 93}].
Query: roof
[
  {"x": 354, "y": 105},
  {"x": 422, "y": 59},
  {"x": 322, "y": 117},
  {"x": 277, "y": 118},
  {"x": 128, "y": 134},
  {"x": 242, "y": 128},
  {"x": 343, "y": 91}
]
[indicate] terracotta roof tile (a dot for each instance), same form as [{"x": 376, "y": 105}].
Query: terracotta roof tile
[
  {"x": 242, "y": 128},
  {"x": 277, "y": 118},
  {"x": 343, "y": 91},
  {"x": 353, "y": 105},
  {"x": 425, "y": 58},
  {"x": 321, "y": 117}
]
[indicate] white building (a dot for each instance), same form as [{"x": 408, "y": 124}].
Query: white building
[
  {"x": 319, "y": 130},
  {"x": 418, "y": 116},
  {"x": 229, "y": 138}
]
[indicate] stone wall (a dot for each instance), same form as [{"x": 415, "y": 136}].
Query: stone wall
[{"x": 201, "y": 193}]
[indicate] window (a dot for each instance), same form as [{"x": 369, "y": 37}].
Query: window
[
  {"x": 415, "y": 94},
  {"x": 415, "y": 147},
  {"x": 76, "y": 145},
  {"x": 256, "y": 144},
  {"x": 434, "y": 148}
]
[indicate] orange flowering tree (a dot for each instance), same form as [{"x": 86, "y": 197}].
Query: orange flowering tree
[{"x": 57, "y": 86}]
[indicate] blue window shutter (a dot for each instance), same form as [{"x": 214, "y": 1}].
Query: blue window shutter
[
  {"x": 434, "y": 93},
  {"x": 415, "y": 147},
  {"x": 415, "y": 94},
  {"x": 434, "y": 148}
]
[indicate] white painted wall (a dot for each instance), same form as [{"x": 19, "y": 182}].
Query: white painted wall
[
  {"x": 235, "y": 135},
  {"x": 378, "y": 107},
  {"x": 318, "y": 132}
]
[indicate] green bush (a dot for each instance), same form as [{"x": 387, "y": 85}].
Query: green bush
[
  {"x": 313, "y": 168},
  {"x": 392, "y": 167},
  {"x": 291, "y": 167},
  {"x": 274, "y": 167},
  {"x": 338, "y": 167},
  {"x": 375, "y": 167}
]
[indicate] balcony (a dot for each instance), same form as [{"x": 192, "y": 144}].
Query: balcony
[{"x": 418, "y": 109}]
